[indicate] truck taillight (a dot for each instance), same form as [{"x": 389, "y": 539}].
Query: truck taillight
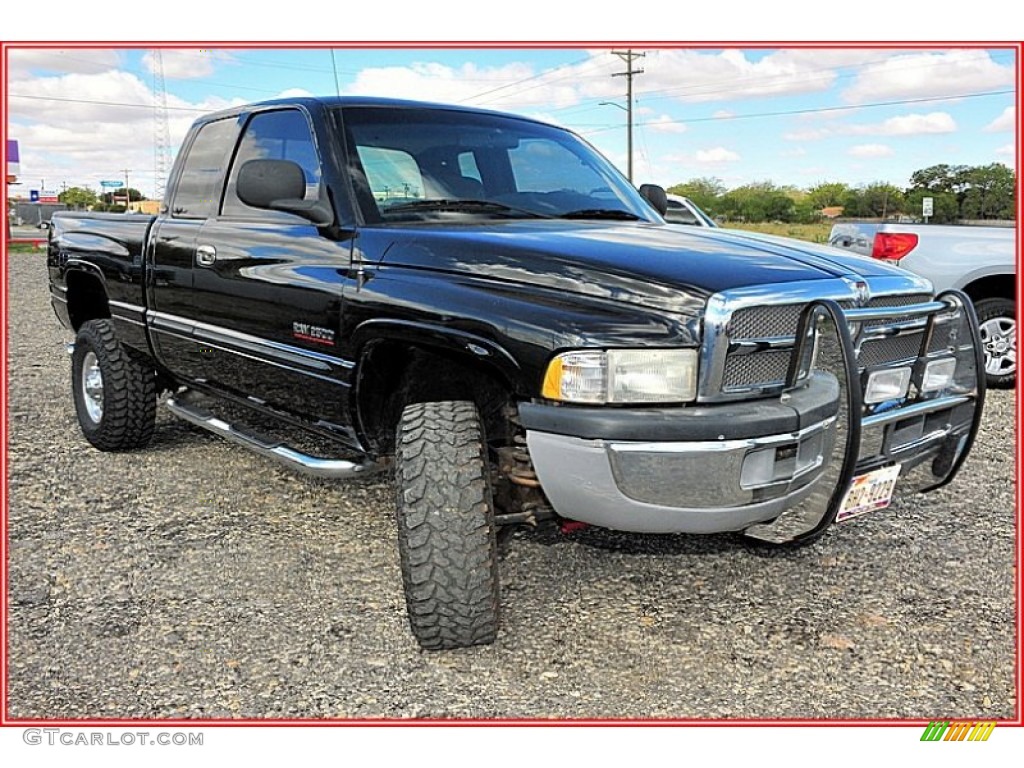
[{"x": 893, "y": 246}]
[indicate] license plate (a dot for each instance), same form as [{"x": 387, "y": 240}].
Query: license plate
[{"x": 869, "y": 492}]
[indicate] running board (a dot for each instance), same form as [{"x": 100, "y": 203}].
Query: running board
[{"x": 333, "y": 469}]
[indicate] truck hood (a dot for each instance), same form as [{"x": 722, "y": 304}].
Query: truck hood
[{"x": 673, "y": 268}]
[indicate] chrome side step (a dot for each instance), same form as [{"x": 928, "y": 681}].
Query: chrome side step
[{"x": 332, "y": 469}]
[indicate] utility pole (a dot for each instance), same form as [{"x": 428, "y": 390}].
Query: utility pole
[
  {"x": 628, "y": 57},
  {"x": 127, "y": 194}
]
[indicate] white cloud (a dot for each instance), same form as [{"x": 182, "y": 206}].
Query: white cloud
[
  {"x": 902, "y": 125},
  {"x": 911, "y": 125},
  {"x": 929, "y": 74},
  {"x": 795, "y": 152},
  {"x": 511, "y": 86},
  {"x": 665, "y": 124},
  {"x": 723, "y": 114},
  {"x": 1005, "y": 122},
  {"x": 293, "y": 93},
  {"x": 1007, "y": 150},
  {"x": 809, "y": 134},
  {"x": 691, "y": 75},
  {"x": 81, "y": 128},
  {"x": 185, "y": 64},
  {"x": 870, "y": 150},
  {"x": 24, "y": 61},
  {"x": 715, "y": 156}
]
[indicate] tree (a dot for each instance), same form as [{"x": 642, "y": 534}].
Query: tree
[
  {"x": 945, "y": 209},
  {"x": 878, "y": 200},
  {"x": 78, "y": 197},
  {"x": 989, "y": 192},
  {"x": 706, "y": 192},
  {"x": 827, "y": 193}
]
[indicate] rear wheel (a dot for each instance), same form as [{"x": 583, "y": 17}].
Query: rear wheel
[
  {"x": 446, "y": 530},
  {"x": 115, "y": 395},
  {"x": 997, "y": 319}
]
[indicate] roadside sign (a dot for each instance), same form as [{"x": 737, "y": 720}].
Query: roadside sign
[
  {"x": 48, "y": 196},
  {"x": 13, "y": 166},
  {"x": 33, "y": 195},
  {"x": 928, "y": 206},
  {"x": 112, "y": 184}
]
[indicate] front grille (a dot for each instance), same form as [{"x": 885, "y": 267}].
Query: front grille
[
  {"x": 896, "y": 349},
  {"x": 757, "y": 370},
  {"x": 763, "y": 370}
]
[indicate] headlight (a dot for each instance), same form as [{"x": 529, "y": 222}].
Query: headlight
[{"x": 623, "y": 376}]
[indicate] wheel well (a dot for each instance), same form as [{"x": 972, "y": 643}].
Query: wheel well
[
  {"x": 992, "y": 287},
  {"x": 87, "y": 298},
  {"x": 393, "y": 375}
]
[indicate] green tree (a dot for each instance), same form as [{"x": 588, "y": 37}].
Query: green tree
[
  {"x": 989, "y": 192},
  {"x": 827, "y": 193},
  {"x": 706, "y": 192},
  {"x": 877, "y": 200},
  {"x": 77, "y": 197},
  {"x": 759, "y": 201},
  {"x": 945, "y": 209}
]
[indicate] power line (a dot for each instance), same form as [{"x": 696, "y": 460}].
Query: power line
[
  {"x": 841, "y": 108},
  {"x": 628, "y": 57},
  {"x": 106, "y": 103}
]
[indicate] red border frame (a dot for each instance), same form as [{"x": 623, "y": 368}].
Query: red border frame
[{"x": 6, "y": 721}]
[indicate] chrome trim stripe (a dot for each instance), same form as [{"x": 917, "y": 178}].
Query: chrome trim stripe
[
  {"x": 916, "y": 409},
  {"x": 131, "y": 320},
  {"x": 265, "y": 360},
  {"x": 881, "y": 313},
  {"x": 126, "y": 305},
  {"x": 711, "y": 446},
  {"x": 185, "y": 324}
]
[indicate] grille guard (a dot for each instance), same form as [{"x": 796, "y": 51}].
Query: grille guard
[{"x": 933, "y": 458}]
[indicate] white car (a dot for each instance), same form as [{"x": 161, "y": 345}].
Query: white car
[{"x": 682, "y": 210}]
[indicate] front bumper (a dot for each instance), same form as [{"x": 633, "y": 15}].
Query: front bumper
[
  {"x": 693, "y": 471},
  {"x": 730, "y": 466}
]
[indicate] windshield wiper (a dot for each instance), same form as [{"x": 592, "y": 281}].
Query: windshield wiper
[
  {"x": 601, "y": 213},
  {"x": 463, "y": 206}
]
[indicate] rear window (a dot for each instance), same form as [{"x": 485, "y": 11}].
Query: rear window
[{"x": 202, "y": 175}]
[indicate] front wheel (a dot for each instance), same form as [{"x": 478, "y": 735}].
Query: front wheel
[
  {"x": 446, "y": 531},
  {"x": 115, "y": 395},
  {"x": 997, "y": 321}
]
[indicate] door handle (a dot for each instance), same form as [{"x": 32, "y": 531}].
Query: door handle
[{"x": 206, "y": 255}]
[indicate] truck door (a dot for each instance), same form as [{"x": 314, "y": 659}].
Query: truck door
[
  {"x": 195, "y": 193},
  {"x": 267, "y": 286}
]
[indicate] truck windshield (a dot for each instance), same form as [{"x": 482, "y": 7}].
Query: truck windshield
[{"x": 421, "y": 164}]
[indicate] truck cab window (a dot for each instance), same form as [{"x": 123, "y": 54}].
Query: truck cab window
[
  {"x": 279, "y": 135},
  {"x": 199, "y": 184}
]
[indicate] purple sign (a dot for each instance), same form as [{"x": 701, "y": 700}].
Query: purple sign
[{"x": 13, "y": 168}]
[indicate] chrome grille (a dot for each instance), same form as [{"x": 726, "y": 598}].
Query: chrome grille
[
  {"x": 896, "y": 349},
  {"x": 750, "y": 333},
  {"x": 757, "y": 369}
]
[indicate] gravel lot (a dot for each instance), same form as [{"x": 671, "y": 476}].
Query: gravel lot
[{"x": 194, "y": 579}]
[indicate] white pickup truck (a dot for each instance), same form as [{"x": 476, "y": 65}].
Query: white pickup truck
[{"x": 980, "y": 261}]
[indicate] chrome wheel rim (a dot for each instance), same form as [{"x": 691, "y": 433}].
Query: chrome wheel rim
[
  {"x": 999, "y": 341},
  {"x": 92, "y": 387}
]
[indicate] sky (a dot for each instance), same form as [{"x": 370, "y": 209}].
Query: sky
[{"x": 793, "y": 116}]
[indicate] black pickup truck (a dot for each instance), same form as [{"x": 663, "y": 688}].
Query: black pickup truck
[{"x": 483, "y": 305}]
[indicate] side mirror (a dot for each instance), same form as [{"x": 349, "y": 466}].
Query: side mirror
[
  {"x": 656, "y": 196},
  {"x": 280, "y": 185}
]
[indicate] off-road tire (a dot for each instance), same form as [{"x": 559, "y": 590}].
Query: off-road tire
[
  {"x": 128, "y": 391},
  {"x": 446, "y": 532},
  {"x": 1001, "y": 316}
]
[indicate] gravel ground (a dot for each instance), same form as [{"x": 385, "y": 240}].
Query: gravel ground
[{"x": 194, "y": 579}]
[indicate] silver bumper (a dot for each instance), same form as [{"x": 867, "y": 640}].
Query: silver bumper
[{"x": 666, "y": 487}]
